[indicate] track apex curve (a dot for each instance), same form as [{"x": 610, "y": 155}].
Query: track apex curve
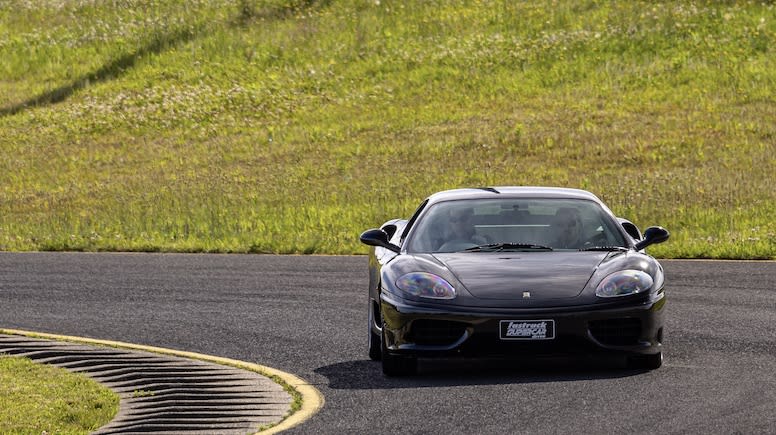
[{"x": 296, "y": 388}]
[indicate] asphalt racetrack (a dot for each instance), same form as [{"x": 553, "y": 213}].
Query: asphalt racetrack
[{"x": 307, "y": 315}]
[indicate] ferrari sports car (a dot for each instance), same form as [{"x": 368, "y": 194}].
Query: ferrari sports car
[{"x": 513, "y": 271}]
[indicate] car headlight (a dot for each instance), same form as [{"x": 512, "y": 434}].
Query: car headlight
[
  {"x": 425, "y": 285},
  {"x": 623, "y": 283}
]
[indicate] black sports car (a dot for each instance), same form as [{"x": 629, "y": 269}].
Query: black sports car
[{"x": 513, "y": 271}]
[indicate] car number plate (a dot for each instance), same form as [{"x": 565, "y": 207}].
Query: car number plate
[{"x": 527, "y": 329}]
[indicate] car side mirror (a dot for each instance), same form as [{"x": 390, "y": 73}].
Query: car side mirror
[
  {"x": 378, "y": 237},
  {"x": 652, "y": 236}
]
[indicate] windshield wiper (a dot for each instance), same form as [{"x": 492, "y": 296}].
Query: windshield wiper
[
  {"x": 500, "y": 247},
  {"x": 605, "y": 248}
]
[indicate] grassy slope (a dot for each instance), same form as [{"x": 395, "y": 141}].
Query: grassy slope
[{"x": 290, "y": 126}]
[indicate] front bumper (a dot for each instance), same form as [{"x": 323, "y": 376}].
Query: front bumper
[{"x": 427, "y": 332}]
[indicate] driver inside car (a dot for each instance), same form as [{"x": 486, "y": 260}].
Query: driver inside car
[{"x": 461, "y": 227}]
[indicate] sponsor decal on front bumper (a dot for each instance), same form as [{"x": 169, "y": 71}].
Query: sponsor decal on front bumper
[{"x": 527, "y": 329}]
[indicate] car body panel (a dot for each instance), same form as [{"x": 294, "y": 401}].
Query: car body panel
[{"x": 508, "y": 276}]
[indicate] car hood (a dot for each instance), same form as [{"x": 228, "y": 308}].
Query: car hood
[{"x": 508, "y": 276}]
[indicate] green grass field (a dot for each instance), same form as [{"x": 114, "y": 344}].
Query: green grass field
[
  {"x": 291, "y": 126},
  {"x": 38, "y": 398}
]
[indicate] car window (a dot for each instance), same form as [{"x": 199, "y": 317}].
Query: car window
[
  {"x": 562, "y": 224},
  {"x": 414, "y": 218}
]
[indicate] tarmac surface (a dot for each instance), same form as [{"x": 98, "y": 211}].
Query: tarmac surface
[{"x": 307, "y": 315}]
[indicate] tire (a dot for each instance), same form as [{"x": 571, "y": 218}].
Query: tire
[
  {"x": 646, "y": 362},
  {"x": 397, "y": 365},
  {"x": 375, "y": 344}
]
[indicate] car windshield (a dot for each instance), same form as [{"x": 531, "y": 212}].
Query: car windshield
[{"x": 486, "y": 225}]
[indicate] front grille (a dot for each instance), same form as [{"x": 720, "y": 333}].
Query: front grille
[
  {"x": 616, "y": 332},
  {"x": 435, "y": 332},
  {"x": 490, "y": 344}
]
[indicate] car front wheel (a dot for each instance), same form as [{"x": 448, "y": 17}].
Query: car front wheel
[
  {"x": 375, "y": 343},
  {"x": 397, "y": 365}
]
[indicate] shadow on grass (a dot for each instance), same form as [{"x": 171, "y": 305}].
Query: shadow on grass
[
  {"x": 110, "y": 71},
  {"x": 248, "y": 12}
]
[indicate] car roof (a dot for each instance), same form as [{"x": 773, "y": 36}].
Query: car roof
[{"x": 512, "y": 192}]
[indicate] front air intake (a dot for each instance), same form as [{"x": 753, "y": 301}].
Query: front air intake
[
  {"x": 435, "y": 332},
  {"x": 616, "y": 332}
]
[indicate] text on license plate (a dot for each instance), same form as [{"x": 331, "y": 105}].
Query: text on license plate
[{"x": 527, "y": 329}]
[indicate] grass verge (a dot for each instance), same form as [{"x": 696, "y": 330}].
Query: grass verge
[{"x": 38, "y": 398}]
